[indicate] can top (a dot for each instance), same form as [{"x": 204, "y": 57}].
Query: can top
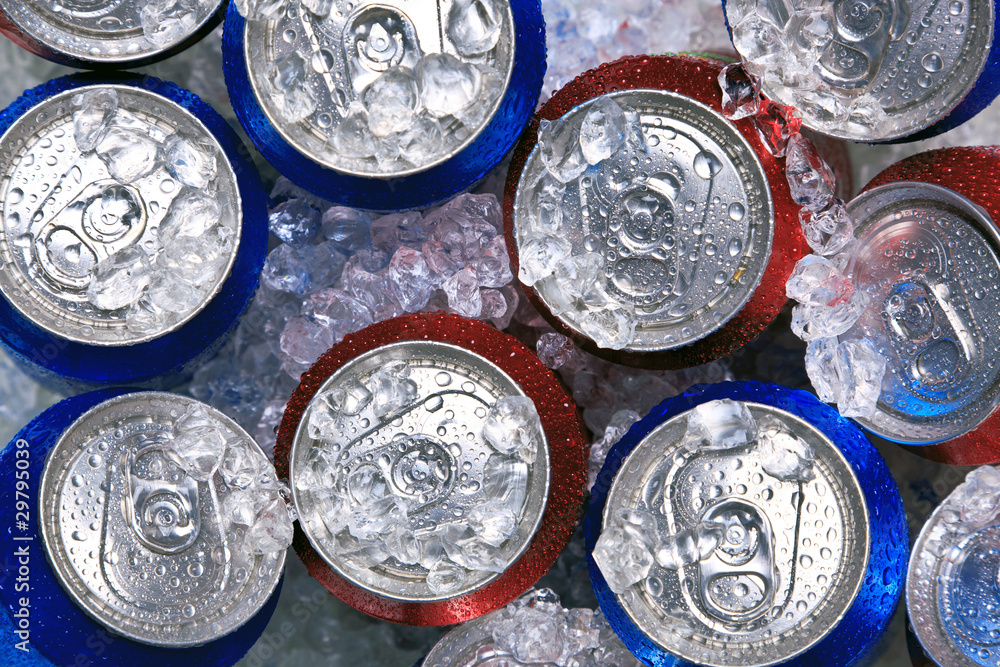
[
  {"x": 382, "y": 89},
  {"x": 140, "y": 513},
  {"x": 952, "y": 579},
  {"x": 758, "y": 529},
  {"x": 110, "y": 32},
  {"x": 420, "y": 471},
  {"x": 643, "y": 220},
  {"x": 121, "y": 215},
  {"x": 851, "y": 75},
  {"x": 928, "y": 262}
]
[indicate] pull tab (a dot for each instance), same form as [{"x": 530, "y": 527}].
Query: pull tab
[
  {"x": 376, "y": 39},
  {"x": 161, "y": 499},
  {"x": 927, "y": 333},
  {"x": 863, "y": 30},
  {"x": 737, "y": 581},
  {"x": 104, "y": 218}
]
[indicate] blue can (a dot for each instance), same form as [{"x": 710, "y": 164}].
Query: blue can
[
  {"x": 385, "y": 105},
  {"x": 133, "y": 234},
  {"x": 50, "y": 610},
  {"x": 746, "y": 524}
]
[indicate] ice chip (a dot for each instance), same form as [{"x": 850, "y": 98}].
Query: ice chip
[
  {"x": 166, "y": 22},
  {"x": 810, "y": 178},
  {"x": 410, "y": 279},
  {"x": 173, "y": 293},
  {"x": 979, "y": 496},
  {"x": 392, "y": 389},
  {"x": 242, "y": 465},
  {"x": 474, "y": 26},
  {"x": 512, "y": 426},
  {"x": 493, "y": 266},
  {"x": 776, "y": 124},
  {"x": 303, "y": 341},
  {"x": 290, "y": 88},
  {"x": 261, "y": 10},
  {"x": 420, "y": 143},
  {"x": 740, "y": 97},
  {"x": 198, "y": 441},
  {"x": 301, "y": 271},
  {"x": 191, "y": 214},
  {"x": 145, "y": 317},
  {"x": 611, "y": 328},
  {"x": 785, "y": 456},
  {"x": 549, "y": 194},
  {"x": 817, "y": 281},
  {"x": 861, "y": 370},
  {"x": 828, "y": 231},
  {"x": 347, "y": 228},
  {"x": 719, "y": 425},
  {"x": 192, "y": 160},
  {"x": 554, "y": 350},
  {"x": 559, "y": 146},
  {"x": 447, "y": 85},
  {"x": 392, "y": 101},
  {"x": 475, "y": 554},
  {"x": 238, "y": 508},
  {"x": 197, "y": 262},
  {"x": 271, "y": 531},
  {"x": 128, "y": 154},
  {"x": 445, "y": 577},
  {"x": 689, "y": 546},
  {"x": 535, "y": 635},
  {"x": 319, "y": 8},
  {"x": 539, "y": 256},
  {"x": 463, "y": 293},
  {"x": 294, "y": 222},
  {"x": 493, "y": 525},
  {"x": 603, "y": 130},
  {"x": 93, "y": 112},
  {"x": 353, "y": 138},
  {"x": 619, "y": 425},
  {"x": 810, "y": 322},
  {"x": 623, "y": 559},
  {"x": 337, "y": 311},
  {"x": 120, "y": 280},
  {"x": 821, "y": 366},
  {"x": 505, "y": 483}
]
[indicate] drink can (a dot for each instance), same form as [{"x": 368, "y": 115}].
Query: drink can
[
  {"x": 928, "y": 262},
  {"x": 107, "y": 34},
  {"x": 133, "y": 233},
  {"x": 120, "y": 505},
  {"x": 951, "y": 582},
  {"x": 644, "y": 224},
  {"x": 874, "y": 72},
  {"x": 386, "y": 105},
  {"x": 437, "y": 467},
  {"x": 746, "y": 524}
]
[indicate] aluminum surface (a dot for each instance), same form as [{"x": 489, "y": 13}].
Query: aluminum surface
[
  {"x": 803, "y": 546},
  {"x": 348, "y": 50},
  {"x": 54, "y": 228},
  {"x": 928, "y": 262},
  {"x": 106, "y": 32},
  {"x": 685, "y": 228},
  {"x": 109, "y": 496},
  {"x": 440, "y": 430}
]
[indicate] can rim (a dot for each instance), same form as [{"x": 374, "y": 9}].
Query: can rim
[
  {"x": 230, "y": 175},
  {"x": 695, "y": 77},
  {"x": 949, "y": 168},
  {"x": 49, "y": 478},
  {"x": 568, "y": 446}
]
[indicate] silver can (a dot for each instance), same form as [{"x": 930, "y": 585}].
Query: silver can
[
  {"x": 122, "y": 216},
  {"x": 759, "y": 532},
  {"x": 138, "y": 519},
  {"x": 866, "y": 71},
  {"x": 928, "y": 262},
  {"x": 420, "y": 471},
  {"x": 952, "y": 579},
  {"x": 108, "y": 33},
  {"x": 656, "y": 245},
  {"x": 382, "y": 89}
]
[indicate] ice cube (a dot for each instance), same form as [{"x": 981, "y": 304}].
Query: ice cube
[
  {"x": 494, "y": 305},
  {"x": 739, "y": 92},
  {"x": 391, "y": 101},
  {"x": 474, "y": 26},
  {"x": 238, "y": 508},
  {"x": 776, "y": 124},
  {"x": 623, "y": 559},
  {"x": 128, "y": 154},
  {"x": 294, "y": 222},
  {"x": 817, "y": 281},
  {"x": 603, "y": 130},
  {"x": 612, "y": 328},
  {"x": 539, "y": 255},
  {"x": 337, "y": 311},
  {"x": 421, "y": 142},
  {"x": 272, "y": 530},
  {"x": 535, "y": 636},
  {"x": 719, "y": 425},
  {"x": 821, "y": 366},
  {"x": 505, "y": 483},
  {"x": 619, "y": 425},
  {"x": 463, "y": 293},
  {"x": 173, "y": 293},
  {"x": 549, "y": 195},
  {"x": 810, "y": 178},
  {"x": 291, "y": 92},
  {"x": 447, "y": 85},
  {"x": 303, "y": 341},
  {"x": 197, "y": 262},
  {"x": 554, "y": 350},
  {"x": 475, "y": 554},
  {"x": 978, "y": 498},
  {"x": 347, "y": 228},
  {"x": 242, "y": 466},
  {"x": 493, "y": 525},
  {"x": 372, "y": 290},
  {"x": 493, "y": 267},
  {"x": 145, "y": 317},
  {"x": 191, "y": 214},
  {"x": 192, "y": 160},
  {"x": 302, "y": 271},
  {"x": 785, "y": 456},
  {"x": 166, "y": 22},
  {"x": 120, "y": 280},
  {"x": 390, "y": 231},
  {"x": 320, "y": 8},
  {"x": 512, "y": 426},
  {"x": 392, "y": 389},
  {"x": 93, "y": 113},
  {"x": 829, "y": 231},
  {"x": 810, "y": 322},
  {"x": 198, "y": 441},
  {"x": 367, "y": 486},
  {"x": 410, "y": 279},
  {"x": 689, "y": 546},
  {"x": 349, "y": 398},
  {"x": 445, "y": 577},
  {"x": 261, "y": 10},
  {"x": 353, "y": 138},
  {"x": 559, "y": 146},
  {"x": 861, "y": 369}
]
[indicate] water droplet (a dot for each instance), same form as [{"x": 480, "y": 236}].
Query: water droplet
[
  {"x": 805, "y": 560},
  {"x": 955, "y": 7},
  {"x": 689, "y": 206},
  {"x": 735, "y": 247},
  {"x": 77, "y": 481},
  {"x": 801, "y": 606},
  {"x": 737, "y": 211},
  {"x": 707, "y": 165},
  {"x": 15, "y": 196},
  {"x": 110, "y": 557},
  {"x": 79, "y": 535},
  {"x": 195, "y": 569},
  {"x": 289, "y": 36},
  {"x": 95, "y": 461},
  {"x": 434, "y": 403},
  {"x": 654, "y": 586},
  {"x": 932, "y": 62}
]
